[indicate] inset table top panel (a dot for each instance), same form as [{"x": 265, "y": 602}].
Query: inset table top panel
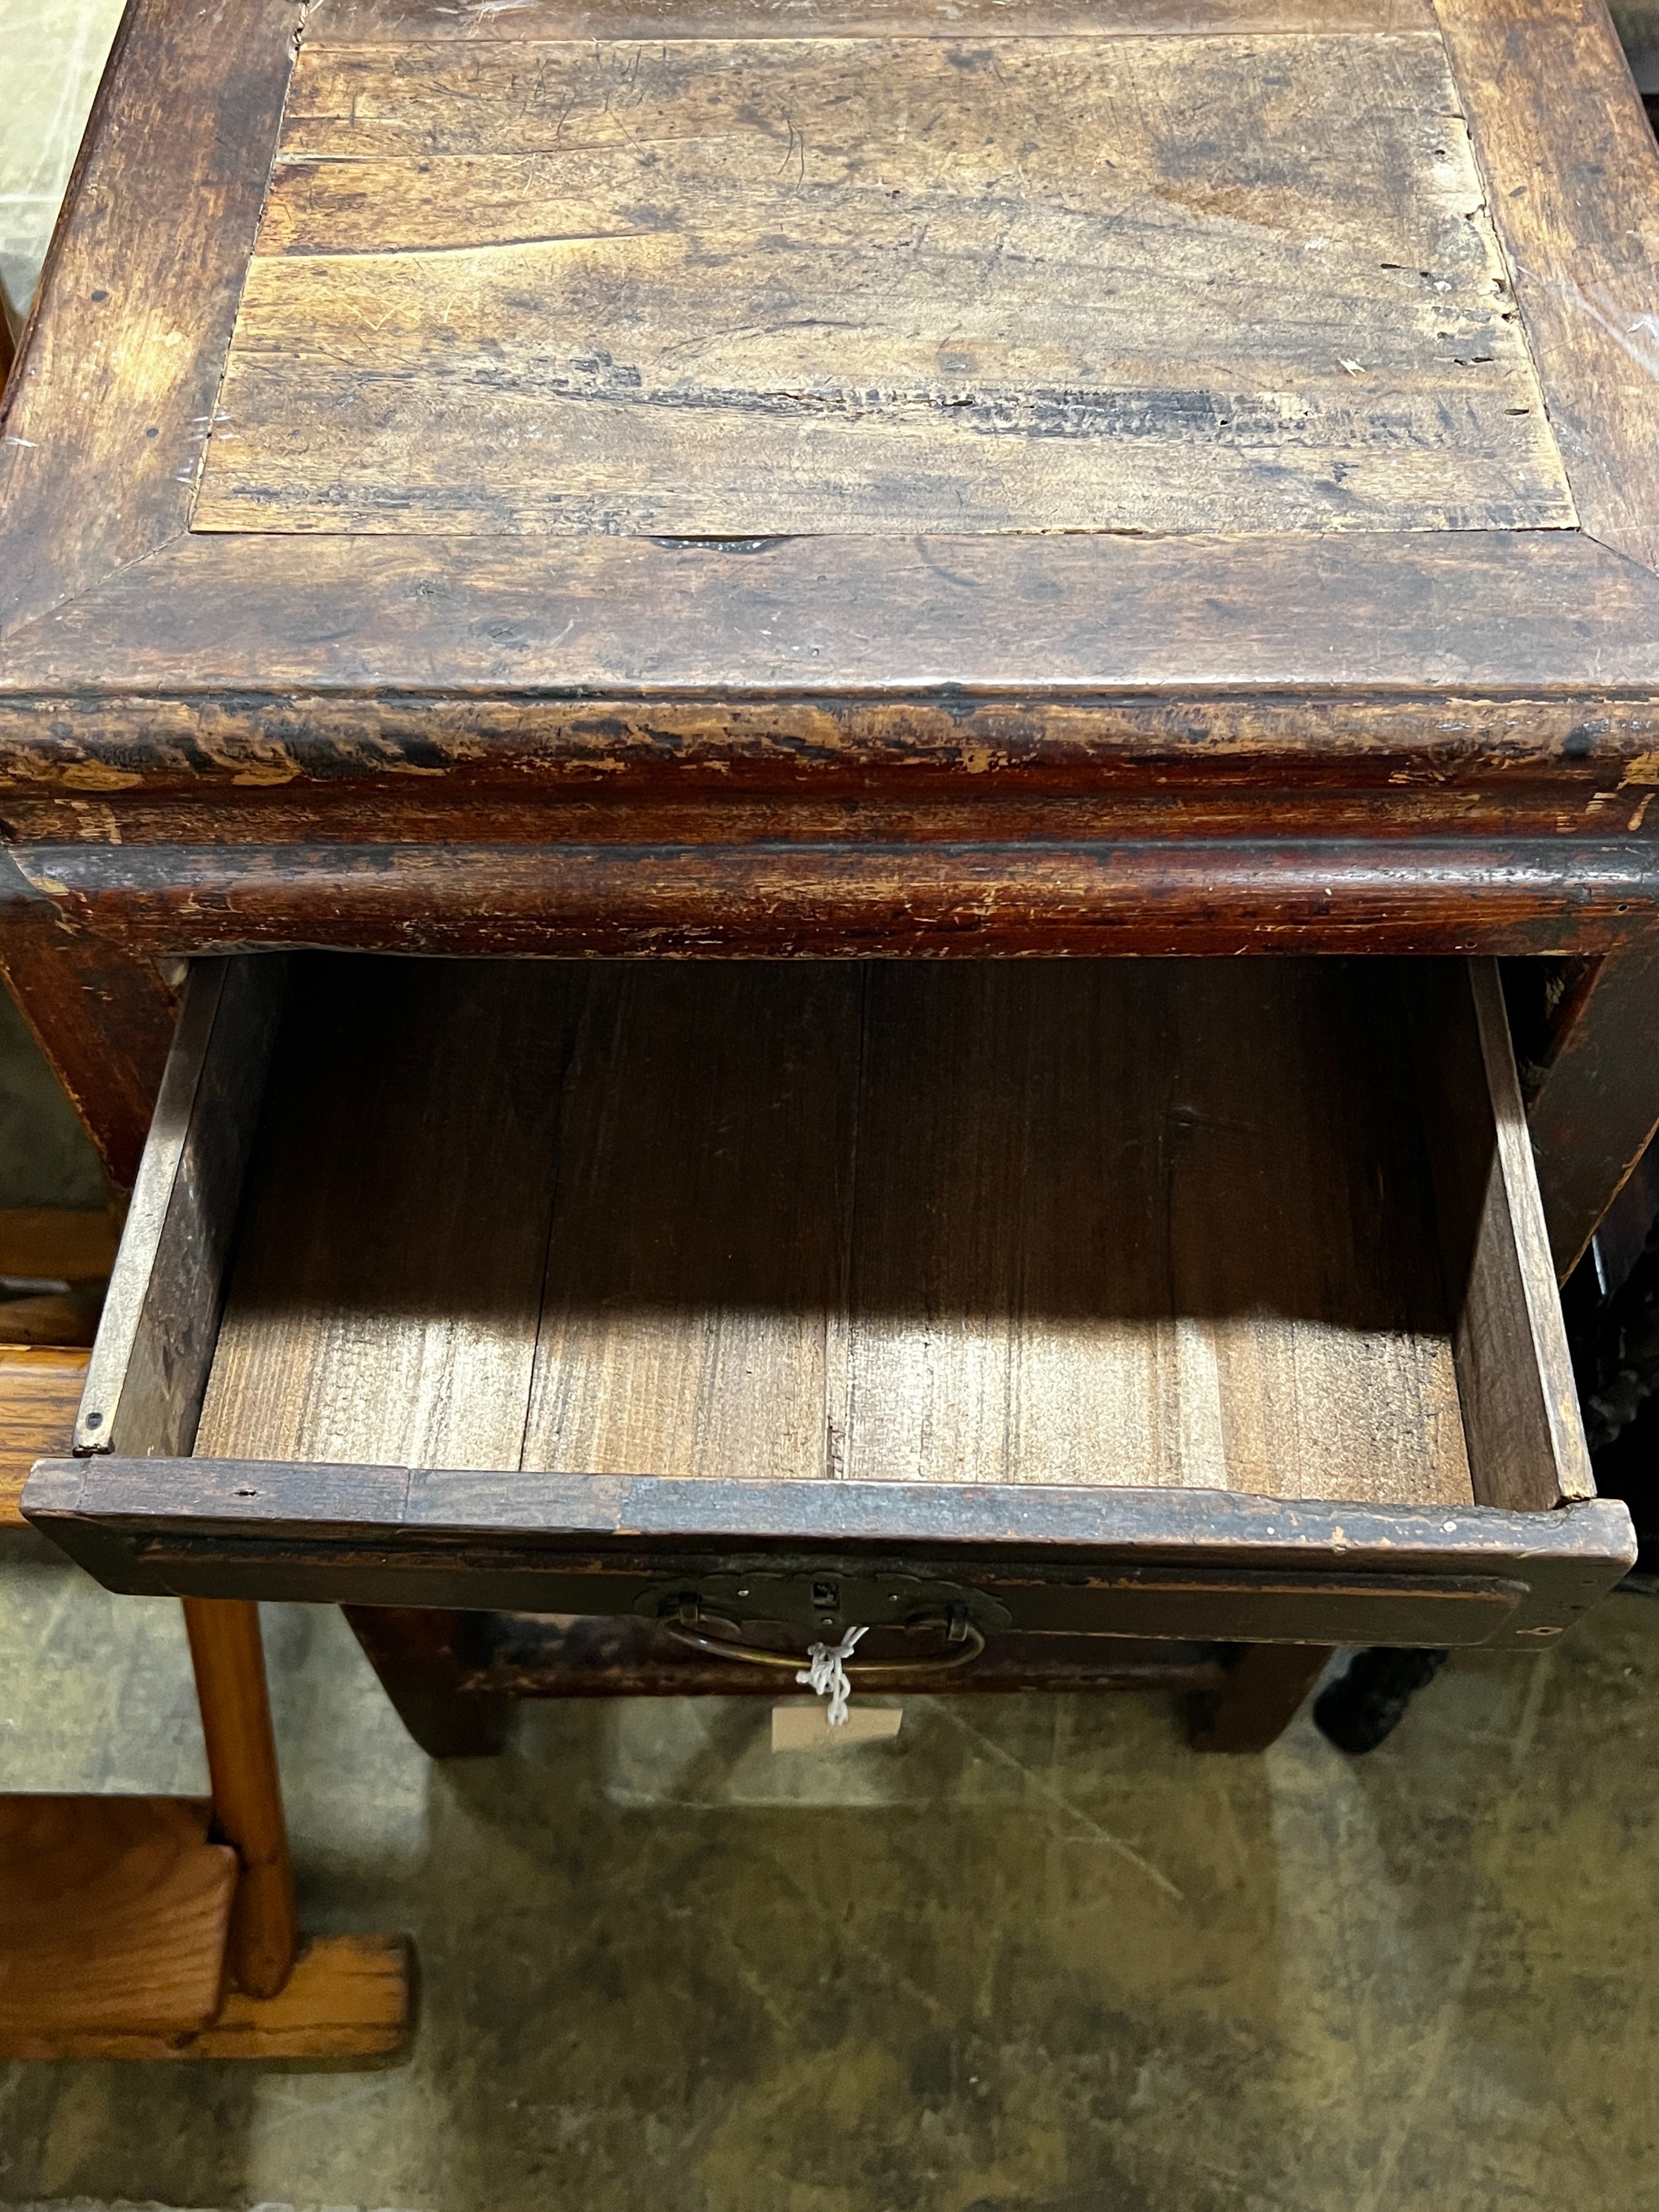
[{"x": 799, "y": 286}]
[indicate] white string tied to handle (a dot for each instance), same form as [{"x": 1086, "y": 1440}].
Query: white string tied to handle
[{"x": 825, "y": 1674}]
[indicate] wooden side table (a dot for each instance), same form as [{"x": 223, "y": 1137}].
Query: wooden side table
[{"x": 877, "y": 484}]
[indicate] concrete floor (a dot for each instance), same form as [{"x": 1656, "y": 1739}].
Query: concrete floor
[{"x": 1033, "y": 1956}]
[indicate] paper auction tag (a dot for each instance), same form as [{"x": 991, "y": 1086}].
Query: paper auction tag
[{"x": 806, "y": 1728}]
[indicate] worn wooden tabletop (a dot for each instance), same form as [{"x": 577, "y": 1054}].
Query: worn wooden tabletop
[{"x": 691, "y": 423}]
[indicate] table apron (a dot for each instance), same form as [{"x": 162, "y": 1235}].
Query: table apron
[{"x": 852, "y": 901}]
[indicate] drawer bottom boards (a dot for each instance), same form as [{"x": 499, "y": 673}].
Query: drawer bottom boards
[{"x": 1166, "y": 1298}]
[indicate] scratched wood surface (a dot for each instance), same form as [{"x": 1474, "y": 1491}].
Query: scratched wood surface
[
  {"x": 1119, "y": 1223},
  {"x": 372, "y": 22},
  {"x": 1557, "y": 120},
  {"x": 746, "y": 288},
  {"x": 102, "y": 426}
]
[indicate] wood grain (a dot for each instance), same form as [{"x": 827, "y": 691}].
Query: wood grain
[
  {"x": 117, "y": 1910},
  {"x": 143, "y": 1389},
  {"x": 1490, "y": 801},
  {"x": 1144, "y": 1224},
  {"x": 746, "y": 289},
  {"x": 1572, "y": 177},
  {"x": 385, "y": 1296},
  {"x": 51, "y": 1317},
  {"x": 218, "y": 631},
  {"x": 109, "y": 403},
  {"x": 347, "y": 1998},
  {"x": 1525, "y": 1440},
  {"x": 1030, "y": 1224},
  {"x": 699, "y": 1236},
  {"x": 235, "y": 625},
  {"x": 779, "y": 900},
  {"x": 156, "y": 1336},
  {"x": 227, "y": 1658},
  {"x": 1522, "y": 1320},
  {"x": 372, "y": 22},
  {"x": 39, "y": 1390}
]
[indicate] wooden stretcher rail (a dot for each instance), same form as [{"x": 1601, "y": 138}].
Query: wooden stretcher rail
[{"x": 533, "y": 1656}]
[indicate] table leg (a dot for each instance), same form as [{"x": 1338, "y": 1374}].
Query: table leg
[
  {"x": 228, "y": 1658},
  {"x": 421, "y": 1655},
  {"x": 1264, "y": 1689},
  {"x": 1595, "y": 1081},
  {"x": 103, "y": 1019}
]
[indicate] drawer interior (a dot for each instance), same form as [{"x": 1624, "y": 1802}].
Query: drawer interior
[{"x": 1216, "y": 1225}]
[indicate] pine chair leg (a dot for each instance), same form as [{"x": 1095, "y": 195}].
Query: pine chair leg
[{"x": 228, "y": 1656}]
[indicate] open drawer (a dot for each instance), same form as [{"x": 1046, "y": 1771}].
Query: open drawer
[{"x": 1183, "y": 1299}]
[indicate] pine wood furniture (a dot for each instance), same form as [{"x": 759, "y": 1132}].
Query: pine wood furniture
[
  {"x": 701, "y": 481},
  {"x": 121, "y": 1939}
]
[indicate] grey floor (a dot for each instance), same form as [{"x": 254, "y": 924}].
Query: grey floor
[{"x": 1033, "y": 1956}]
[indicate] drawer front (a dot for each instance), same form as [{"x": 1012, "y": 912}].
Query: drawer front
[{"x": 1141, "y": 1563}]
